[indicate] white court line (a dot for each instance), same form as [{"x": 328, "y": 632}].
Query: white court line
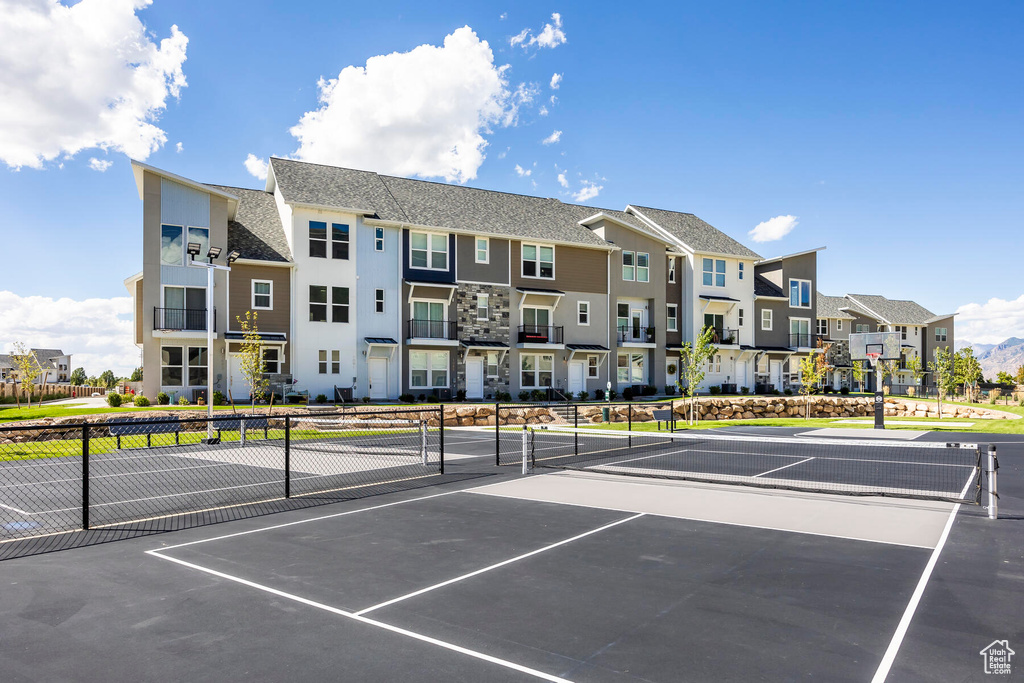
[
  {"x": 372, "y": 622},
  {"x": 901, "y": 629},
  {"x": 497, "y": 565},
  {"x": 792, "y": 464}
]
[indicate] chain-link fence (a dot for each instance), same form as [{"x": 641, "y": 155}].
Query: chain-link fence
[{"x": 72, "y": 485}]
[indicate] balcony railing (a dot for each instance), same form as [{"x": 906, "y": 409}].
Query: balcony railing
[
  {"x": 190, "y": 319},
  {"x": 540, "y": 334},
  {"x": 723, "y": 335},
  {"x": 430, "y": 329},
  {"x": 802, "y": 340},
  {"x": 636, "y": 334}
]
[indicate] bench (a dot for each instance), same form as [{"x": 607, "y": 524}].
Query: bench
[
  {"x": 664, "y": 416},
  {"x": 149, "y": 428},
  {"x": 236, "y": 424}
]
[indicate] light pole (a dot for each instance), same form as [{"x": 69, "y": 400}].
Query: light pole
[{"x": 214, "y": 252}]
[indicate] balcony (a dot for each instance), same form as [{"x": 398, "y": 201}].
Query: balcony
[
  {"x": 182, "y": 319},
  {"x": 723, "y": 336},
  {"x": 437, "y": 330},
  {"x": 803, "y": 340},
  {"x": 635, "y": 334},
  {"x": 540, "y": 334}
]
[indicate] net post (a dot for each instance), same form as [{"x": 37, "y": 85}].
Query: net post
[
  {"x": 423, "y": 441},
  {"x": 993, "y": 491},
  {"x": 525, "y": 449},
  {"x": 440, "y": 441},
  {"x": 85, "y": 476},
  {"x": 241, "y": 433},
  {"x": 576, "y": 425},
  {"x": 287, "y": 456},
  {"x": 497, "y": 434},
  {"x": 629, "y": 424}
]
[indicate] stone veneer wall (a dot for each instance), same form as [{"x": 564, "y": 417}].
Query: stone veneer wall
[{"x": 495, "y": 328}]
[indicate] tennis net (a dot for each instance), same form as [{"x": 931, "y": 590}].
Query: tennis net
[
  {"x": 932, "y": 471},
  {"x": 368, "y": 437}
]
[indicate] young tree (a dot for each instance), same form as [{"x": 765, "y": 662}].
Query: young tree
[
  {"x": 886, "y": 368},
  {"x": 1005, "y": 378},
  {"x": 966, "y": 370},
  {"x": 858, "y": 373},
  {"x": 78, "y": 377},
  {"x": 251, "y": 360},
  {"x": 915, "y": 366},
  {"x": 813, "y": 368},
  {"x": 1019, "y": 377},
  {"x": 693, "y": 363},
  {"x": 942, "y": 372},
  {"x": 26, "y": 370},
  {"x": 107, "y": 379},
  {"x": 136, "y": 375}
]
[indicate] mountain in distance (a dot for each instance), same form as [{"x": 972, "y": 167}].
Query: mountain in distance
[
  {"x": 978, "y": 348},
  {"x": 1004, "y": 357}
]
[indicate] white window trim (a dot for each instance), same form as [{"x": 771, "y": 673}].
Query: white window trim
[
  {"x": 537, "y": 370},
  {"x": 578, "y": 312},
  {"x": 771, "y": 315},
  {"x": 839, "y": 326},
  {"x": 630, "y": 356},
  {"x": 522, "y": 261},
  {"x": 675, "y": 325},
  {"x": 637, "y": 268},
  {"x": 672, "y": 269},
  {"x": 810, "y": 290},
  {"x": 383, "y": 300},
  {"x": 596, "y": 366},
  {"x": 810, "y": 325},
  {"x": 487, "y": 306},
  {"x": 741, "y": 317},
  {"x": 817, "y": 326},
  {"x": 740, "y": 269},
  {"x": 430, "y": 251},
  {"x": 631, "y": 265},
  {"x": 448, "y": 370},
  {"x": 253, "y": 292},
  {"x": 279, "y": 362},
  {"x": 444, "y": 307},
  {"x": 714, "y": 272},
  {"x": 487, "y": 249},
  {"x": 497, "y": 364}
]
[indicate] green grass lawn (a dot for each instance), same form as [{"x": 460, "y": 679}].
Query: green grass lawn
[{"x": 15, "y": 414}]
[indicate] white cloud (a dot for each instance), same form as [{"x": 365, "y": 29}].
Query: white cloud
[
  {"x": 553, "y": 99},
  {"x": 97, "y": 332},
  {"x": 562, "y": 180},
  {"x": 520, "y": 171},
  {"x": 424, "y": 112},
  {"x": 551, "y": 35},
  {"x": 991, "y": 322},
  {"x": 100, "y": 165},
  {"x": 543, "y": 111},
  {"x": 552, "y": 139},
  {"x": 504, "y": 16},
  {"x": 587, "y": 192},
  {"x": 501, "y": 155},
  {"x": 773, "y": 228},
  {"x": 82, "y": 77},
  {"x": 556, "y": 81},
  {"x": 256, "y": 166},
  {"x": 523, "y": 95},
  {"x": 178, "y": 147}
]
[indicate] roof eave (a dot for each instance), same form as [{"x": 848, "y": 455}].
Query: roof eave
[
  {"x": 139, "y": 168},
  {"x": 793, "y": 255},
  {"x": 460, "y": 231}
]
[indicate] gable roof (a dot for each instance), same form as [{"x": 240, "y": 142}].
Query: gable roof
[
  {"x": 256, "y": 232},
  {"x": 765, "y": 287},
  {"x": 892, "y": 311},
  {"x": 301, "y": 182},
  {"x": 829, "y": 307},
  {"x": 696, "y": 234}
]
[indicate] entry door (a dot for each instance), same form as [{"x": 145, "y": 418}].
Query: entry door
[
  {"x": 741, "y": 373},
  {"x": 638, "y": 324},
  {"x": 378, "y": 377},
  {"x": 776, "y": 373},
  {"x": 475, "y": 377},
  {"x": 576, "y": 381}
]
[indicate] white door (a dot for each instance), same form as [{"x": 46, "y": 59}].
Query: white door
[
  {"x": 775, "y": 368},
  {"x": 475, "y": 377},
  {"x": 576, "y": 382},
  {"x": 378, "y": 377},
  {"x": 237, "y": 386},
  {"x": 741, "y": 374}
]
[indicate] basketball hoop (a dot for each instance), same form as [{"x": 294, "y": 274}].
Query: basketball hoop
[{"x": 873, "y": 358}]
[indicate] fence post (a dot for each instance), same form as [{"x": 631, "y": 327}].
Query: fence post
[
  {"x": 85, "y": 476},
  {"x": 629, "y": 423},
  {"x": 993, "y": 491},
  {"x": 576, "y": 425},
  {"x": 440, "y": 432},
  {"x": 497, "y": 434},
  {"x": 241, "y": 433},
  {"x": 525, "y": 450},
  {"x": 423, "y": 441},
  {"x": 287, "y": 456}
]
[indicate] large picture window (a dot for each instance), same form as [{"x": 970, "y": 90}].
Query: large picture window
[
  {"x": 630, "y": 368},
  {"x": 200, "y": 236},
  {"x": 538, "y": 261},
  {"x": 536, "y": 370},
  {"x": 713, "y": 272},
  {"x": 428, "y": 251},
  {"x": 171, "y": 366},
  {"x": 799, "y": 293},
  {"x": 428, "y": 369},
  {"x": 171, "y": 248}
]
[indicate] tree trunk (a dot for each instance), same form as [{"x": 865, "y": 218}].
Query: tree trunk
[{"x": 17, "y": 392}]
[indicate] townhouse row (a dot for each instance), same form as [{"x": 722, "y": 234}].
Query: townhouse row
[{"x": 377, "y": 286}]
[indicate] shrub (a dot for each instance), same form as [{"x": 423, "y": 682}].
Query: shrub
[
  {"x": 583, "y": 396},
  {"x": 219, "y": 399},
  {"x": 538, "y": 395},
  {"x": 366, "y": 399},
  {"x": 163, "y": 399},
  {"x": 321, "y": 398},
  {"x": 627, "y": 394},
  {"x": 649, "y": 390},
  {"x": 744, "y": 390},
  {"x": 524, "y": 395},
  {"x": 670, "y": 390},
  {"x": 406, "y": 398},
  {"x": 433, "y": 399},
  {"x": 845, "y": 391},
  {"x": 714, "y": 390},
  {"x": 885, "y": 390},
  {"x": 141, "y": 401},
  {"x": 502, "y": 396},
  {"x": 612, "y": 395},
  {"x": 599, "y": 394},
  {"x": 460, "y": 395},
  {"x": 113, "y": 400},
  {"x": 182, "y": 401},
  {"x": 788, "y": 392}
]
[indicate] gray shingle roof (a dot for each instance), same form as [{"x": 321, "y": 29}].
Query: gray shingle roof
[
  {"x": 828, "y": 307},
  {"x": 695, "y": 233},
  {"x": 305, "y": 183},
  {"x": 893, "y": 311},
  {"x": 764, "y": 287},
  {"x": 256, "y": 232}
]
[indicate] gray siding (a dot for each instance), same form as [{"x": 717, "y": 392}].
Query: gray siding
[{"x": 495, "y": 270}]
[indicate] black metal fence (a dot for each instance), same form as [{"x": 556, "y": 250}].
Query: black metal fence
[{"x": 72, "y": 485}]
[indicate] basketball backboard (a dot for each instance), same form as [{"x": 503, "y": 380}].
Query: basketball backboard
[{"x": 864, "y": 346}]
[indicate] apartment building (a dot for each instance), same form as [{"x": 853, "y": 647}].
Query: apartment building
[
  {"x": 54, "y": 366},
  {"x": 366, "y": 285}
]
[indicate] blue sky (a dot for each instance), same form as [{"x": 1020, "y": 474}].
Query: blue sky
[{"x": 891, "y": 134}]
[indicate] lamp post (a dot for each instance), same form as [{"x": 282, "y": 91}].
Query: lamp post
[{"x": 214, "y": 252}]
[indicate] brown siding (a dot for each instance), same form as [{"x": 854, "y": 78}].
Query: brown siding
[
  {"x": 578, "y": 270},
  {"x": 496, "y": 270},
  {"x": 276, "y": 320}
]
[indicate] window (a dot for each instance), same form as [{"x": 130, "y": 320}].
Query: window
[
  {"x": 672, "y": 269},
  {"x": 538, "y": 261},
  {"x": 536, "y": 370},
  {"x": 171, "y": 248},
  {"x": 741, "y": 318},
  {"x": 902, "y": 329},
  {"x": 940, "y": 334},
  {"x": 839, "y": 326},
  {"x": 741, "y": 270},
  {"x": 714, "y": 272},
  {"x": 428, "y": 251},
  {"x": 861, "y": 328},
  {"x": 271, "y": 361},
  {"x": 822, "y": 327},
  {"x": 335, "y": 362},
  {"x": 766, "y": 319},
  {"x": 592, "y": 363},
  {"x": 317, "y": 239},
  {"x": 197, "y": 366},
  {"x": 317, "y": 303},
  {"x": 799, "y": 332},
  {"x": 378, "y": 300},
  {"x": 428, "y": 369},
  {"x": 715, "y": 364},
  {"x": 483, "y": 251},
  {"x": 322, "y": 362},
  {"x": 171, "y": 362},
  {"x": 643, "y": 269},
  {"x": 799, "y": 293},
  {"x": 673, "y": 317},
  {"x": 630, "y": 368},
  {"x": 622, "y": 316},
  {"x": 482, "y": 301},
  {"x": 200, "y": 236},
  {"x": 492, "y": 363},
  {"x": 628, "y": 266},
  {"x": 582, "y": 312},
  {"x": 339, "y": 304},
  {"x": 339, "y": 241},
  {"x": 262, "y": 295},
  {"x": 378, "y": 239}
]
